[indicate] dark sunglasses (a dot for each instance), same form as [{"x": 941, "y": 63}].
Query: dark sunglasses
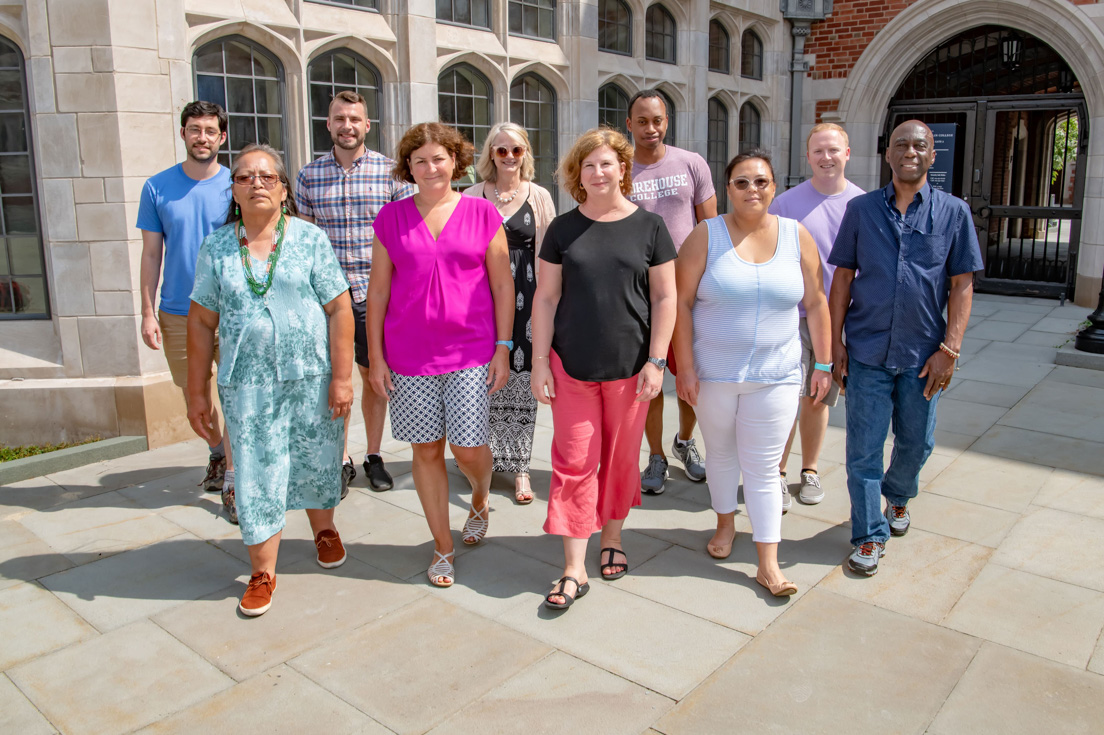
[
  {"x": 268, "y": 181},
  {"x": 742, "y": 184},
  {"x": 517, "y": 151}
]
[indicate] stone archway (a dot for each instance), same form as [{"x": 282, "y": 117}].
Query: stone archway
[{"x": 879, "y": 72}]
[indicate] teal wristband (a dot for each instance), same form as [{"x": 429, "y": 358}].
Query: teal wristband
[{"x": 821, "y": 366}]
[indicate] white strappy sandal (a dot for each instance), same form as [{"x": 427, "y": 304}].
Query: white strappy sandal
[
  {"x": 475, "y": 528},
  {"x": 441, "y": 572}
]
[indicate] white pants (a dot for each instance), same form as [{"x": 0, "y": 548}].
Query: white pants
[{"x": 745, "y": 427}]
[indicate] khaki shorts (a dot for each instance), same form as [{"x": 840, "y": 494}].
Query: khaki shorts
[
  {"x": 807, "y": 362},
  {"x": 174, "y": 341}
]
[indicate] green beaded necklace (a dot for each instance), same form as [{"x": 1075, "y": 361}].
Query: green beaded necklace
[{"x": 270, "y": 267}]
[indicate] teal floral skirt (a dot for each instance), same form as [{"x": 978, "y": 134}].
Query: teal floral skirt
[{"x": 287, "y": 451}]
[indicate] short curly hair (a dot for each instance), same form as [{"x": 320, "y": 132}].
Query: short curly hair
[
  {"x": 433, "y": 132},
  {"x": 569, "y": 173}
]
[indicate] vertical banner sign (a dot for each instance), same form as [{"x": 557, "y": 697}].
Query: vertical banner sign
[{"x": 942, "y": 173}]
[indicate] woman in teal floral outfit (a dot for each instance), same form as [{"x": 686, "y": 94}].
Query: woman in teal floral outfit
[{"x": 270, "y": 284}]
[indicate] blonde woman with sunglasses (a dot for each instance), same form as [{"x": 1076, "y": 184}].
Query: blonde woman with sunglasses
[
  {"x": 506, "y": 168},
  {"x": 740, "y": 278}
]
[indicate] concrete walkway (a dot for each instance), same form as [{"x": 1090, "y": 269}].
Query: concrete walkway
[{"x": 119, "y": 581}]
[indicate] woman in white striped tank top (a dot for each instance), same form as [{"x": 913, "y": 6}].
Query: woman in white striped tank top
[{"x": 740, "y": 278}]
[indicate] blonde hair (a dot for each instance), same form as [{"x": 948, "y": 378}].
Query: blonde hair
[
  {"x": 824, "y": 128},
  {"x": 569, "y": 173},
  {"x": 485, "y": 166}
]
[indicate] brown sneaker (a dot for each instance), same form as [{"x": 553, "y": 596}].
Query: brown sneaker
[
  {"x": 216, "y": 471},
  {"x": 258, "y": 595},
  {"x": 330, "y": 551}
]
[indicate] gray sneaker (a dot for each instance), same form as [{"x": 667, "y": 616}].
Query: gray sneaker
[
  {"x": 899, "y": 520},
  {"x": 787, "y": 499},
  {"x": 864, "y": 559},
  {"x": 810, "y": 492},
  {"x": 691, "y": 460},
  {"x": 653, "y": 477}
]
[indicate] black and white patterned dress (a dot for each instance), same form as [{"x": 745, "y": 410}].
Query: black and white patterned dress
[{"x": 513, "y": 408}]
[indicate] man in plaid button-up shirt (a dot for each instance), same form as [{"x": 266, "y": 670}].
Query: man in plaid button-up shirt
[{"x": 342, "y": 192}]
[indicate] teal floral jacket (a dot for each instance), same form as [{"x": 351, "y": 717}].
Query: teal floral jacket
[{"x": 287, "y": 325}]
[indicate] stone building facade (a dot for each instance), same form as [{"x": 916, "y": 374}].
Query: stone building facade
[{"x": 90, "y": 91}]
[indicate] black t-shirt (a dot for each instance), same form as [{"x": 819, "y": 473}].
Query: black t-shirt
[{"x": 603, "y": 321}]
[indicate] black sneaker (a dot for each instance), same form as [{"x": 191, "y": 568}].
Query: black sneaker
[
  {"x": 348, "y": 474},
  {"x": 378, "y": 477},
  {"x": 216, "y": 472}
]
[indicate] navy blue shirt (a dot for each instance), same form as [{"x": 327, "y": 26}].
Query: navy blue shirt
[{"x": 904, "y": 266}]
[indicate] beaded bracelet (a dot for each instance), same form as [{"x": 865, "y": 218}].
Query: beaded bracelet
[{"x": 954, "y": 355}]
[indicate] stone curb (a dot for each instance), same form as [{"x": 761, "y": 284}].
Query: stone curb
[
  {"x": 1071, "y": 357},
  {"x": 66, "y": 459}
]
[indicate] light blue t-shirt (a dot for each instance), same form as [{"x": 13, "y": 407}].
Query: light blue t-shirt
[{"x": 184, "y": 211}]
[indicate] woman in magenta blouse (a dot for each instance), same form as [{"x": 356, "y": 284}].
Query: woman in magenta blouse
[{"x": 440, "y": 318}]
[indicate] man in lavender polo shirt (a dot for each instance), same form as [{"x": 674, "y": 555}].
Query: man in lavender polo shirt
[
  {"x": 819, "y": 204},
  {"x": 675, "y": 184}
]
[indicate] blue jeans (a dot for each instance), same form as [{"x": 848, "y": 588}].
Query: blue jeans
[{"x": 877, "y": 396}]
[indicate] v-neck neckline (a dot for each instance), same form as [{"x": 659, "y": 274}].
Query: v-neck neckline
[{"x": 418, "y": 214}]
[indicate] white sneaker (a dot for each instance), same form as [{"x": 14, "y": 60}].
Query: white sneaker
[{"x": 787, "y": 499}]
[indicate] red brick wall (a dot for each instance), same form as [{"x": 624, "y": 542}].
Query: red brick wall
[
  {"x": 840, "y": 40},
  {"x": 823, "y": 106}
]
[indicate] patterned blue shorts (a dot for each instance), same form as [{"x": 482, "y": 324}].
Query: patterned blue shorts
[{"x": 426, "y": 407}]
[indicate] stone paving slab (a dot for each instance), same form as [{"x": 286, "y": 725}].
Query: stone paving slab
[
  {"x": 1053, "y": 543},
  {"x": 17, "y": 714},
  {"x": 560, "y": 693},
  {"x": 24, "y": 556},
  {"x": 458, "y": 657},
  {"x": 1005, "y": 692},
  {"x": 141, "y": 583},
  {"x": 44, "y": 624},
  {"x": 1043, "y": 616},
  {"x": 292, "y": 704},
  {"x": 830, "y": 665},
  {"x": 118, "y": 682},
  {"x": 314, "y": 604}
]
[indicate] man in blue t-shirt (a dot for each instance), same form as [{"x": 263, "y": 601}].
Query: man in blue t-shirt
[{"x": 179, "y": 207}]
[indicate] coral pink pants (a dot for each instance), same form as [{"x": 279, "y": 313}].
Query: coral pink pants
[{"x": 595, "y": 453}]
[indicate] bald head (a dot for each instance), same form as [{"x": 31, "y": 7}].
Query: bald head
[{"x": 910, "y": 152}]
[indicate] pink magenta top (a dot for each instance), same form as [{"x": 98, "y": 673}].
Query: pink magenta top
[{"x": 441, "y": 315}]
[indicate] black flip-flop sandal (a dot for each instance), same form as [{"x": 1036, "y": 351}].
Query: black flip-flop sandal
[
  {"x": 610, "y": 563},
  {"x": 580, "y": 590}
]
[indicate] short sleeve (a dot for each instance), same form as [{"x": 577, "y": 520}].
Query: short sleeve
[
  {"x": 492, "y": 220},
  {"x": 703, "y": 181},
  {"x": 965, "y": 253},
  {"x": 302, "y": 197},
  {"x": 663, "y": 247},
  {"x": 327, "y": 278},
  {"x": 383, "y": 226},
  {"x": 207, "y": 291},
  {"x": 401, "y": 190},
  {"x": 550, "y": 251},
  {"x": 148, "y": 218},
  {"x": 845, "y": 248}
]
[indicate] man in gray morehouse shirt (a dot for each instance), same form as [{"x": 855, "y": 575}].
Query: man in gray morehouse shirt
[{"x": 677, "y": 185}]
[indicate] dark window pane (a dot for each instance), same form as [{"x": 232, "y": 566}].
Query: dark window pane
[
  {"x": 210, "y": 89},
  {"x": 19, "y": 216},
  {"x": 26, "y": 260},
  {"x": 238, "y": 59},
  {"x": 344, "y": 70},
  {"x": 268, "y": 98},
  {"x": 12, "y": 134},
  {"x": 320, "y": 72},
  {"x": 10, "y": 57},
  {"x": 240, "y": 93},
  {"x": 263, "y": 66},
  {"x": 530, "y": 24},
  {"x": 32, "y": 296},
  {"x": 271, "y": 131},
  {"x": 320, "y": 97},
  {"x": 320, "y": 137},
  {"x": 243, "y": 130},
  {"x": 209, "y": 61},
  {"x": 11, "y": 89},
  {"x": 515, "y": 17},
  {"x": 4, "y": 270},
  {"x": 15, "y": 174},
  {"x": 444, "y": 9}
]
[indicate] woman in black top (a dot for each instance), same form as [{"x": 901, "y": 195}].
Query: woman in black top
[
  {"x": 506, "y": 169},
  {"x": 602, "y": 321}
]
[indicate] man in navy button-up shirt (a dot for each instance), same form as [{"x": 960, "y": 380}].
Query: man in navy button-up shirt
[{"x": 903, "y": 254}]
